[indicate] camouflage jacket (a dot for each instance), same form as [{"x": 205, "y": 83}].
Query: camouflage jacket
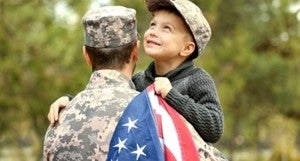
[{"x": 87, "y": 123}]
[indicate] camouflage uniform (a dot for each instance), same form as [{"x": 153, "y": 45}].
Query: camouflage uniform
[{"x": 87, "y": 123}]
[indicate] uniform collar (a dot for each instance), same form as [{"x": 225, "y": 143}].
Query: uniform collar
[{"x": 107, "y": 78}]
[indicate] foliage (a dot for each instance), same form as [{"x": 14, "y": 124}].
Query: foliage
[
  {"x": 252, "y": 56},
  {"x": 39, "y": 57}
]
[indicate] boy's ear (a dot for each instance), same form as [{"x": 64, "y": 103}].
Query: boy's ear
[
  {"x": 86, "y": 57},
  {"x": 188, "y": 48}
]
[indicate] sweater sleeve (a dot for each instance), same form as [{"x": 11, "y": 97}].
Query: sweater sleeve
[
  {"x": 139, "y": 81},
  {"x": 200, "y": 106}
]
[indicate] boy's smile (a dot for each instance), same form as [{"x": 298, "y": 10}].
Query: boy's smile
[{"x": 152, "y": 43}]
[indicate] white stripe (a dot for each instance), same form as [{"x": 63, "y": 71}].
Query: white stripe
[{"x": 169, "y": 130}]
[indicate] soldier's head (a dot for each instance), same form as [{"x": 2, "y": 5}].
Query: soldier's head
[
  {"x": 193, "y": 20},
  {"x": 110, "y": 36}
]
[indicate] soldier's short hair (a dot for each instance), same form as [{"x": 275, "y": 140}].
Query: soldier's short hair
[{"x": 110, "y": 58}]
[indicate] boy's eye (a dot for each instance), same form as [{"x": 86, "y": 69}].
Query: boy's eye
[
  {"x": 167, "y": 28},
  {"x": 152, "y": 24}
]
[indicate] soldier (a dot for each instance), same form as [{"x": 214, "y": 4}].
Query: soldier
[
  {"x": 177, "y": 34},
  {"x": 87, "y": 123}
]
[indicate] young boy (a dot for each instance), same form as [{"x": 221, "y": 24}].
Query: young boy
[{"x": 177, "y": 34}]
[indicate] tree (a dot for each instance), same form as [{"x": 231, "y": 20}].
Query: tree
[
  {"x": 254, "y": 59},
  {"x": 252, "y": 56},
  {"x": 39, "y": 56}
]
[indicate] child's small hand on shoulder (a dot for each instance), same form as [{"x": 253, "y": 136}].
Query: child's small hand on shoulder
[{"x": 162, "y": 86}]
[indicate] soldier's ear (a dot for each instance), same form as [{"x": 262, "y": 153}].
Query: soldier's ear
[
  {"x": 135, "y": 51},
  {"x": 86, "y": 57}
]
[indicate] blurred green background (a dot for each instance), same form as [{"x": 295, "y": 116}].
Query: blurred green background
[{"x": 253, "y": 57}]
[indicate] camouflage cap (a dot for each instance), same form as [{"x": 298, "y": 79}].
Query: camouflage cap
[
  {"x": 191, "y": 14},
  {"x": 109, "y": 26}
]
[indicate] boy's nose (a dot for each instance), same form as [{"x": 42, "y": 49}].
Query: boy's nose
[{"x": 152, "y": 32}]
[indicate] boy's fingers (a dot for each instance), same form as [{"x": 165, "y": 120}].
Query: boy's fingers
[
  {"x": 55, "y": 107},
  {"x": 55, "y": 112},
  {"x": 50, "y": 118}
]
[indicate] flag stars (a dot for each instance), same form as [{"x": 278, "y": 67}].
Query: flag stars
[
  {"x": 130, "y": 124},
  {"x": 139, "y": 151},
  {"x": 121, "y": 145}
]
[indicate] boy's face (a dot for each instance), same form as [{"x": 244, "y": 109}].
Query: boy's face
[{"x": 166, "y": 36}]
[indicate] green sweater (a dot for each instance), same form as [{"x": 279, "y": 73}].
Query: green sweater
[{"x": 193, "y": 95}]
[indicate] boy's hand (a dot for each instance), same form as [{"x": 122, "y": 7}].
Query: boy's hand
[
  {"x": 162, "y": 86},
  {"x": 55, "y": 108}
]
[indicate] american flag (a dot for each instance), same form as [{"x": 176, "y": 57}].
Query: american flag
[{"x": 151, "y": 130}]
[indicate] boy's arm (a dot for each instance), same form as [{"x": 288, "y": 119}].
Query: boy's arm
[
  {"x": 206, "y": 117},
  {"x": 55, "y": 107},
  {"x": 201, "y": 107}
]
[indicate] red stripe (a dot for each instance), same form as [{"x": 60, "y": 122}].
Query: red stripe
[
  {"x": 188, "y": 148},
  {"x": 169, "y": 155},
  {"x": 159, "y": 124}
]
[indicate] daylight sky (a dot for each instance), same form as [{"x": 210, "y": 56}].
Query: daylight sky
[{"x": 64, "y": 12}]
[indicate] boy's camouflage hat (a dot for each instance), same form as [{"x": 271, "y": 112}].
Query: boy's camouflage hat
[
  {"x": 191, "y": 14},
  {"x": 109, "y": 26}
]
